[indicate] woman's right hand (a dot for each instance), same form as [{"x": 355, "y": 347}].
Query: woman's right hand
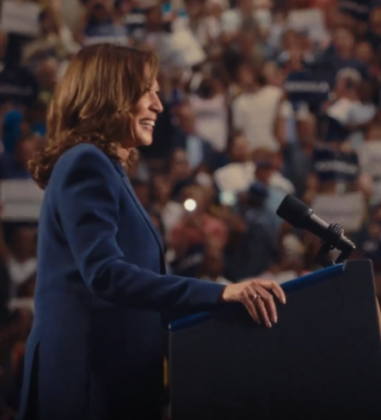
[{"x": 257, "y": 296}]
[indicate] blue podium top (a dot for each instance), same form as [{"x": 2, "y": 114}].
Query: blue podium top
[{"x": 296, "y": 284}]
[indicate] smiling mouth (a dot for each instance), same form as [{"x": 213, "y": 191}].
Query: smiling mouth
[{"x": 148, "y": 124}]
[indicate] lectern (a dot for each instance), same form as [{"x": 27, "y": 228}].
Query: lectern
[{"x": 322, "y": 360}]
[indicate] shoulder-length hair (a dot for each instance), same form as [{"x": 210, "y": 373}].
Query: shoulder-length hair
[{"x": 94, "y": 102}]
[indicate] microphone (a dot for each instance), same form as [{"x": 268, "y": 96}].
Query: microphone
[{"x": 299, "y": 215}]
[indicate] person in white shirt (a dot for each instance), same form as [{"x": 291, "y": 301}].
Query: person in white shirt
[
  {"x": 54, "y": 35},
  {"x": 255, "y": 112},
  {"x": 238, "y": 175},
  {"x": 209, "y": 108}
]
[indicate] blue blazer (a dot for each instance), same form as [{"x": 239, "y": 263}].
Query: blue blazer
[{"x": 95, "y": 350}]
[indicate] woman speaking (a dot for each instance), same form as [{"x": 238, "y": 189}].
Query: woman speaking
[{"x": 95, "y": 348}]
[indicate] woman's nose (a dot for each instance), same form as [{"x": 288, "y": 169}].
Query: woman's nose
[{"x": 157, "y": 105}]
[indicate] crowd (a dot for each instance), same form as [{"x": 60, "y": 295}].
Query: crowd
[{"x": 261, "y": 99}]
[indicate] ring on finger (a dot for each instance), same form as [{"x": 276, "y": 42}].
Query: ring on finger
[{"x": 257, "y": 297}]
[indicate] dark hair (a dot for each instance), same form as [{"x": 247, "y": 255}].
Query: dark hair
[{"x": 94, "y": 103}]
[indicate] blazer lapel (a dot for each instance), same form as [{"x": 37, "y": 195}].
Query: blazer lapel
[{"x": 142, "y": 210}]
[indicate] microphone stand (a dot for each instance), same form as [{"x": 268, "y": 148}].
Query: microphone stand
[{"x": 335, "y": 232}]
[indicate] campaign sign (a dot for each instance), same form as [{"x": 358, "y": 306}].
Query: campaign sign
[
  {"x": 106, "y": 33},
  {"x": 20, "y": 17},
  {"x": 370, "y": 158},
  {"x": 306, "y": 87},
  {"x": 347, "y": 210},
  {"x": 359, "y": 9},
  {"x": 17, "y": 86},
  {"x": 330, "y": 165},
  {"x": 21, "y": 200}
]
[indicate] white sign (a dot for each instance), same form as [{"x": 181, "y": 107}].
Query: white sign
[
  {"x": 370, "y": 158},
  {"x": 181, "y": 49},
  {"x": 310, "y": 21},
  {"x": 21, "y": 200},
  {"x": 347, "y": 210},
  {"x": 117, "y": 40},
  {"x": 20, "y": 17}
]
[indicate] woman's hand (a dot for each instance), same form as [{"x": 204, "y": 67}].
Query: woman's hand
[{"x": 256, "y": 296}]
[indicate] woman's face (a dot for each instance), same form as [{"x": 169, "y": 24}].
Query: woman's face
[
  {"x": 145, "y": 116},
  {"x": 240, "y": 149},
  {"x": 364, "y": 52}
]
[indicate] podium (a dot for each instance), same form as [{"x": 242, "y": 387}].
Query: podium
[{"x": 321, "y": 361}]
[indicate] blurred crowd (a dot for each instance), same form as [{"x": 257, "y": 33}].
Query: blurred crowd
[{"x": 261, "y": 99}]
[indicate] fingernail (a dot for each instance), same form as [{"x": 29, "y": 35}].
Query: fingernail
[
  {"x": 284, "y": 300},
  {"x": 269, "y": 325},
  {"x": 275, "y": 320}
]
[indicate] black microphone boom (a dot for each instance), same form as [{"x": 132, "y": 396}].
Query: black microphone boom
[{"x": 299, "y": 215}]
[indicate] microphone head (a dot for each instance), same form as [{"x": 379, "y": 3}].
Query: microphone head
[{"x": 293, "y": 211}]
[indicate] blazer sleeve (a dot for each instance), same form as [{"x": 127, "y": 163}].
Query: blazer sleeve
[{"x": 88, "y": 200}]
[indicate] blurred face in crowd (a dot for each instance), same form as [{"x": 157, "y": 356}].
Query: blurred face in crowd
[
  {"x": 153, "y": 16},
  {"x": 295, "y": 61},
  {"x": 246, "y": 40},
  {"x": 365, "y": 92},
  {"x": 346, "y": 87},
  {"x": 377, "y": 215},
  {"x": 245, "y": 5},
  {"x": 273, "y": 75},
  {"x": 291, "y": 40},
  {"x": 145, "y": 115},
  {"x": 23, "y": 243},
  {"x": 99, "y": 12},
  {"x": 299, "y": 4},
  {"x": 194, "y": 8},
  {"x": 47, "y": 74},
  {"x": 245, "y": 76},
  {"x": 374, "y": 132},
  {"x": 142, "y": 192},
  {"x": 374, "y": 231},
  {"x": 344, "y": 42},
  {"x": 26, "y": 149},
  {"x": 161, "y": 188},
  {"x": 306, "y": 130},
  {"x": 240, "y": 149},
  {"x": 49, "y": 22},
  {"x": 186, "y": 118},
  {"x": 214, "y": 8},
  {"x": 263, "y": 172},
  {"x": 277, "y": 161},
  {"x": 123, "y": 6},
  {"x": 364, "y": 52},
  {"x": 213, "y": 263},
  {"x": 375, "y": 21},
  {"x": 179, "y": 165},
  {"x": 323, "y": 4},
  {"x": 156, "y": 222},
  {"x": 3, "y": 43}
]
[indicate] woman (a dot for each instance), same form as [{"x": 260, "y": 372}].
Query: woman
[{"x": 95, "y": 348}]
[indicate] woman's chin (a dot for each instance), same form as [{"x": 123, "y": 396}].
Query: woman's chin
[{"x": 145, "y": 140}]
